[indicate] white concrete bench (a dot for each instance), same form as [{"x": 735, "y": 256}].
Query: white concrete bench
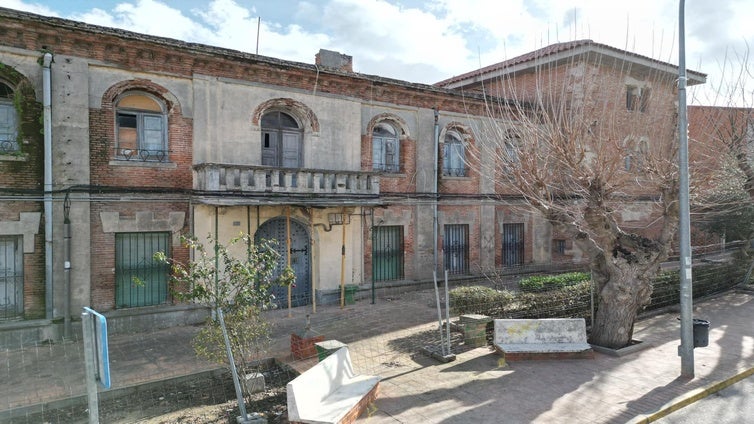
[
  {"x": 542, "y": 338},
  {"x": 330, "y": 392}
]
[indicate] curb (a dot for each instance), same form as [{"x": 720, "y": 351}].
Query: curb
[{"x": 690, "y": 397}]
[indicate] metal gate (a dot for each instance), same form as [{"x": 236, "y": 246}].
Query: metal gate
[
  {"x": 513, "y": 244},
  {"x": 387, "y": 253},
  {"x": 11, "y": 278},
  {"x": 275, "y": 229},
  {"x": 456, "y": 248},
  {"x": 139, "y": 279}
]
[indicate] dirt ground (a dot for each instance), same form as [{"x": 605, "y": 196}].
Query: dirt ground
[{"x": 270, "y": 403}]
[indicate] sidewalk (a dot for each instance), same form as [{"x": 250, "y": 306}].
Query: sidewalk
[{"x": 387, "y": 339}]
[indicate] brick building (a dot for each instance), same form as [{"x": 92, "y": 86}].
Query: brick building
[{"x": 147, "y": 138}]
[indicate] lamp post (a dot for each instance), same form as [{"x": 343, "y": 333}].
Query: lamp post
[{"x": 686, "y": 349}]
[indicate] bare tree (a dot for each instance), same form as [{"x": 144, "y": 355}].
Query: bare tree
[
  {"x": 727, "y": 128},
  {"x": 592, "y": 147}
]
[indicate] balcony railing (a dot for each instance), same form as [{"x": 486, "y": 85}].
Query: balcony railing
[
  {"x": 141, "y": 155},
  {"x": 265, "y": 179}
]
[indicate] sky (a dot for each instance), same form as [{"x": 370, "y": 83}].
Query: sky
[{"x": 427, "y": 41}]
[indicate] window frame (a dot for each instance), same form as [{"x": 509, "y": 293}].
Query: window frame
[
  {"x": 380, "y": 146},
  {"x": 143, "y": 150},
  {"x": 12, "y": 275},
  {"x": 280, "y": 135},
  {"x": 454, "y": 150},
  {"x": 10, "y": 144},
  {"x": 637, "y": 98},
  {"x": 135, "y": 295}
]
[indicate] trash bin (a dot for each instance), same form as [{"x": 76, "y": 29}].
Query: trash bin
[
  {"x": 350, "y": 291},
  {"x": 701, "y": 332}
]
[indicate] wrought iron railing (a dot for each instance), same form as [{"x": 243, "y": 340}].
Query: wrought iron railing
[
  {"x": 455, "y": 172},
  {"x": 8, "y": 146},
  {"x": 141, "y": 155}
]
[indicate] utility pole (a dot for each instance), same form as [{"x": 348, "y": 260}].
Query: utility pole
[{"x": 686, "y": 349}]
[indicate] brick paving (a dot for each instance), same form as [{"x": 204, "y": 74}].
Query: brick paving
[{"x": 388, "y": 339}]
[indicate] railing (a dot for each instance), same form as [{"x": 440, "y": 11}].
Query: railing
[
  {"x": 455, "y": 172},
  {"x": 264, "y": 179},
  {"x": 8, "y": 146},
  {"x": 141, "y": 155}
]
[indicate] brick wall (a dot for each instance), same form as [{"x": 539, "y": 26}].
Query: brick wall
[{"x": 103, "y": 256}]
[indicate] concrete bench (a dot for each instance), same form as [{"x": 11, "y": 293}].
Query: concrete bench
[
  {"x": 330, "y": 391},
  {"x": 542, "y": 338}
]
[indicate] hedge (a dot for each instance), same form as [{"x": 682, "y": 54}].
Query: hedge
[{"x": 551, "y": 282}]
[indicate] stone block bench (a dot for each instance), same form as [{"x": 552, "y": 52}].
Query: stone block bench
[
  {"x": 563, "y": 338},
  {"x": 330, "y": 391}
]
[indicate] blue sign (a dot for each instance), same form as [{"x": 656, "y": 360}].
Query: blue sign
[{"x": 99, "y": 326}]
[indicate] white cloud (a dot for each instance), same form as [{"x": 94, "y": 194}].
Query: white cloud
[
  {"x": 424, "y": 41},
  {"x": 29, "y": 7},
  {"x": 149, "y": 17}
]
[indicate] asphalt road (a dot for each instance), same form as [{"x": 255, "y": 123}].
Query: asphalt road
[{"x": 734, "y": 404}]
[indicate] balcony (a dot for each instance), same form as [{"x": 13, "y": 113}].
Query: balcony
[{"x": 264, "y": 179}]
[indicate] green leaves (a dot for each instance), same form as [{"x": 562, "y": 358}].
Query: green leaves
[{"x": 232, "y": 276}]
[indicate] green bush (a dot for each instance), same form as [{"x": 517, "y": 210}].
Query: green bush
[
  {"x": 479, "y": 300},
  {"x": 551, "y": 282},
  {"x": 567, "y": 302},
  {"x": 573, "y": 301}
]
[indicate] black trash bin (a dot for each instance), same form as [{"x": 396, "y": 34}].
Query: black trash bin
[{"x": 701, "y": 332}]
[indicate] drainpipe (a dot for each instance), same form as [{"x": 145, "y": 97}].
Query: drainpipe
[
  {"x": 67, "y": 267},
  {"x": 47, "y": 118},
  {"x": 434, "y": 201}
]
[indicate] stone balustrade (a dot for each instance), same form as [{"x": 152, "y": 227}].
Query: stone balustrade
[{"x": 265, "y": 179}]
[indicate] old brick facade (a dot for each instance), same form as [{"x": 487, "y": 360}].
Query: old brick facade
[{"x": 229, "y": 141}]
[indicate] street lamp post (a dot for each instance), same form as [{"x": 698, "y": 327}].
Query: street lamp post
[{"x": 686, "y": 349}]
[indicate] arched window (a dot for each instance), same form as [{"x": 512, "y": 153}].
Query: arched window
[
  {"x": 454, "y": 155},
  {"x": 141, "y": 128},
  {"x": 385, "y": 148},
  {"x": 281, "y": 140},
  {"x": 8, "y": 121}
]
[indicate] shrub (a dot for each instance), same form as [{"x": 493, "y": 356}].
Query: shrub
[
  {"x": 572, "y": 301},
  {"x": 479, "y": 300},
  {"x": 551, "y": 282}
]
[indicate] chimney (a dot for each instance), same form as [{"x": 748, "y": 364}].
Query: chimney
[{"x": 334, "y": 60}]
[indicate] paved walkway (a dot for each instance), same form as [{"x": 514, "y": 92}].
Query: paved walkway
[{"x": 387, "y": 339}]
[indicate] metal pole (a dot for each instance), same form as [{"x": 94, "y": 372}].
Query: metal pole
[
  {"x": 343, "y": 262},
  {"x": 447, "y": 313},
  {"x": 90, "y": 367},
  {"x": 239, "y": 396},
  {"x": 288, "y": 252},
  {"x": 434, "y": 202},
  {"x": 47, "y": 124},
  {"x": 439, "y": 312},
  {"x": 67, "y": 268},
  {"x": 686, "y": 349}
]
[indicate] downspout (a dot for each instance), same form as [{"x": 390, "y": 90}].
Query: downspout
[
  {"x": 47, "y": 120},
  {"x": 434, "y": 201},
  {"x": 67, "y": 267}
]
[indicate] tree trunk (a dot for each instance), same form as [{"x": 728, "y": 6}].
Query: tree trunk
[{"x": 619, "y": 300}]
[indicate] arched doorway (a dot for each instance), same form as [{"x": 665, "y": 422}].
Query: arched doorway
[{"x": 275, "y": 229}]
